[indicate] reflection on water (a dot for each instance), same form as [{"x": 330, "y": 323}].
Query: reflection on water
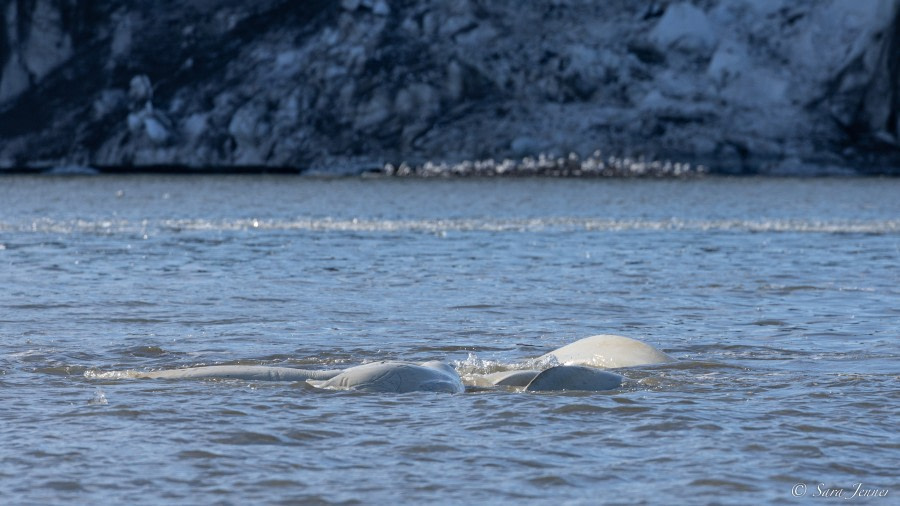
[{"x": 778, "y": 297}]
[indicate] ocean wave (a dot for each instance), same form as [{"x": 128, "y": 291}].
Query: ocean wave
[{"x": 541, "y": 224}]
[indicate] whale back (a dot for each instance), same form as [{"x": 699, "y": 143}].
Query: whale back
[
  {"x": 574, "y": 377},
  {"x": 607, "y": 351},
  {"x": 516, "y": 378},
  {"x": 243, "y": 372},
  {"x": 397, "y": 377}
]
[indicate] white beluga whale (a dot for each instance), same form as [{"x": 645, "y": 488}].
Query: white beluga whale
[
  {"x": 607, "y": 351},
  {"x": 577, "y": 366},
  {"x": 514, "y": 378},
  {"x": 244, "y": 372}
]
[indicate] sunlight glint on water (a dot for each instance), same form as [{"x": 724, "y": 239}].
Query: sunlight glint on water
[{"x": 778, "y": 297}]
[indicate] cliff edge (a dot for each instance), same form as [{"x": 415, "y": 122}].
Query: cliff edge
[{"x": 741, "y": 86}]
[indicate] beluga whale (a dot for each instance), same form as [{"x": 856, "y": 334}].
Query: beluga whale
[
  {"x": 243, "y": 372},
  {"x": 577, "y": 366},
  {"x": 573, "y": 377},
  {"x": 397, "y": 377},
  {"x": 384, "y": 376},
  {"x": 607, "y": 351}
]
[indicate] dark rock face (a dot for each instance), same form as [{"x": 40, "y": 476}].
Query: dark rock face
[{"x": 778, "y": 86}]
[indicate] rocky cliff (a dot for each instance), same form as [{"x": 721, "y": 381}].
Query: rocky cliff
[{"x": 779, "y": 86}]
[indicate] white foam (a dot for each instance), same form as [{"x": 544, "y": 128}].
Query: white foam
[
  {"x": 111, "y": 375},
  {"x": 99, "y": 397},
  {"x": 436, "y": 225}
]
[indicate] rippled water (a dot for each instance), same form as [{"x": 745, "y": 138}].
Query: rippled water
[{"x": 780, "y": 299}]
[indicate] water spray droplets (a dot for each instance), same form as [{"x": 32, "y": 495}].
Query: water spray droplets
[{"x": 99, "y": 397}]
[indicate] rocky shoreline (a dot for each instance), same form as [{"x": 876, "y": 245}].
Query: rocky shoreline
[{"x": 452, "y": 88}]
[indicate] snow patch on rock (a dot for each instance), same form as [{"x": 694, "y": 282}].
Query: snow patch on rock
[{"x": 686, "y": 27}]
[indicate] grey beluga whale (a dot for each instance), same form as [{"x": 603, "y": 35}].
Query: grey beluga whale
[
  {"x": 576, "y": 366},
  {"x": 385, "y": 376},
  {"x": 396, "y": 377},
  {"x": 573, "y": 377}
]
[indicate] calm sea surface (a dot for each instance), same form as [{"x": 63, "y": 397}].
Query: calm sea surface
[{"x": 780, "y": 299}]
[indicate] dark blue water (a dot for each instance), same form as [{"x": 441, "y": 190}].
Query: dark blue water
[{"x": 779, "y": 298}]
